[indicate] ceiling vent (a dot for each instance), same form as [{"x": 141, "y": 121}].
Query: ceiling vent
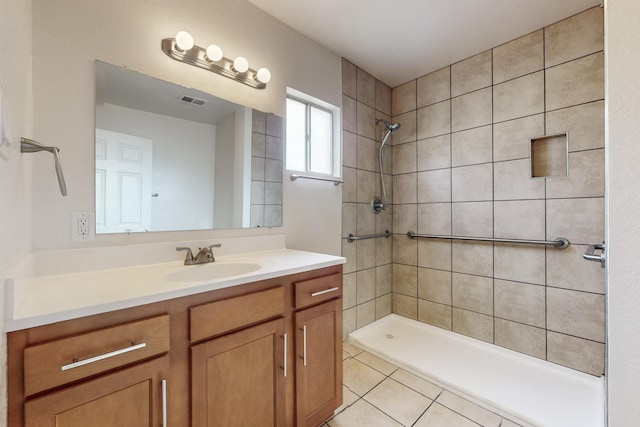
[{"x": 192, "y": 100}]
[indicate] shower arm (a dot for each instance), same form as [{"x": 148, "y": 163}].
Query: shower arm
[{"x": 31, "y": 146}]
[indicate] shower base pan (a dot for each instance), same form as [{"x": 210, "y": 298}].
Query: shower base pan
[{"x": 515, "y": 385}]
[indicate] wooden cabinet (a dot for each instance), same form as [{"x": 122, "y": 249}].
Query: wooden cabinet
[
  {"x": 131, "y": 397},
  {"x": 238, "y": 379},
  {"x": 233, "y": 356},
  {"x": 319, "y": 349}
]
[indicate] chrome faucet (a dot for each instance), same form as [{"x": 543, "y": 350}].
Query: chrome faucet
[{"x": 203, "y": 256}]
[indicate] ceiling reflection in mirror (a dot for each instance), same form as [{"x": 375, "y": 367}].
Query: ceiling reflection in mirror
[{"x": 172, "y": 158}]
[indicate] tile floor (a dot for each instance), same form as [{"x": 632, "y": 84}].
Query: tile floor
[{"x": 379, "y": 394}]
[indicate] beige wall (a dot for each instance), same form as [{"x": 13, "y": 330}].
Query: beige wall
[
  {"x": 461, "y": 167},
  {"x": 128, "y": 34},
  {"x": 367, "y": 274}
]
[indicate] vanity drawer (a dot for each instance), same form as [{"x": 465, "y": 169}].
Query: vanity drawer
[
  {"x": 222, "y": 316},
  {"x": 69, "y": 359},
  {"x": 314, "y": 291}
]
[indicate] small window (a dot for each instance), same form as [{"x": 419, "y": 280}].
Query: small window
[{"x": 312, "y": 135}]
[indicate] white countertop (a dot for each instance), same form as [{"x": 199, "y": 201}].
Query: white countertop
[{"x": 43, "y": 299}]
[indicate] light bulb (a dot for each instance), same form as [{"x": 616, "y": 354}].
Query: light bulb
[
  {"x": 240, "y": 64},
  {"x": 263, "y": 75},
  {"x": 214, "y": 53},
  {"x": 184, "y": 41}
]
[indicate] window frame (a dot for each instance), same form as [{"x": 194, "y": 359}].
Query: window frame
[{"x": 335, "y": 154}]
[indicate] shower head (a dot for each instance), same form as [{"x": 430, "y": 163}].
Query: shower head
[{"x": 391, "y": 127}]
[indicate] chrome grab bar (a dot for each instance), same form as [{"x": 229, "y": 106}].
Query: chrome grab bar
[
  {"x": 77, "y": 364},
  {"x": 590, "y": 254},
  {"x": 351, "y": 237},
  {"x": 559, "y": 243},
  {"x": 336, "y": 181}
]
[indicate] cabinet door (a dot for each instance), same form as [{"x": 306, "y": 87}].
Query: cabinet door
[
  {"x": 319, "y": 363},
  {"x": 238, "y": 379},
  {"x": 131, "y": 397}
]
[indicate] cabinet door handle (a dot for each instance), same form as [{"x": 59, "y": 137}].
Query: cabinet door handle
[
  {"x": 79, "y": 363},
  {"x": 164, "y": 402},
  {"x": 304, "y": 345},
  {"x": 326, "y": 291},
  {"x": 285, "y": 354}
]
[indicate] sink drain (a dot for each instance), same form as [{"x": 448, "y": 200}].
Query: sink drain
[{"x": 389, "y": 336}]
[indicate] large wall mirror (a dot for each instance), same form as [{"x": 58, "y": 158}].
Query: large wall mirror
[{"x": 173, "y": 158}]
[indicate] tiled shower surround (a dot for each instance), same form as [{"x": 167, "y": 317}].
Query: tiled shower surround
[{"x": 460, "y": 165}]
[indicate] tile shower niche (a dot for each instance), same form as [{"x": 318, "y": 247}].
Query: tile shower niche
[{"x": 550, "y": 155}]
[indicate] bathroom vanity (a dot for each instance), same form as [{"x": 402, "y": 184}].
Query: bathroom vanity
[{"x": 262, "y": 348}]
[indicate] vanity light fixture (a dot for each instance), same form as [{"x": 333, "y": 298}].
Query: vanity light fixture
[{"x": 183, "y": 48}]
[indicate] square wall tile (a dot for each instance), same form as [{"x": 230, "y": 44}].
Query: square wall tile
[
  {"x": 383, "y": 98},
  {"x": 520, "y": 302},
  {"x": 259, "y": 121},
  {"x": 404, "y": 158},
  {"x": 576, "y": 82},
  {"x": 473, "y": 293},
  {"x": 576, "y": 353},
  {"x": 512, "y": 181},
  {"x": 349, "y": 290},
  {"x": 473, "y": 219},
  {"x": 434, "y": 120},
  {"x": 434, "y": 186},
  {"x": 384, "y": 306},
  {"x": 472, "y": 146},
  {"x": 366, "y": 121},
  {"x": 579, "y": 220},
  {"x": 434, "y": 153},
  {"x": 511, "y": 138},
  {"x": 383, "y": 249},
  {"x": 273, "y": 170},
  {"x": 258, "y": 144},
  {"x": 407, "y": 131},
  {"x": 405, "y": 218},
  {"x": 348, "y": 322},
  {"x": 405, "y": 250},
  {"x": 384, "y": 279},
  {"x": 471, "y": 110},
  {"x": 405, "y": 188},
  {"x": 273, "y": 193},
  {"x": 522, "y": 219},
  {"x": 349, "y": 107},
  {"x": 586, "y": 176},
  {"x": 349, "y": 79},
  {"x": 567, "y": 269},
  {"x": 275, "y": 125},
  {"x": 366, "y": 285},
  {"x": 516, "y": 58},
  {"x": 434, "y": 253},
  {"x": 365, "y": 313},
  {"x": 521, "y": 338},
  {"x": 434, "y": 87},
  {"x": 584, "y": 123},
  {"x": 472, "y": 183},
  {"x": 257, "y": 192},
  {"x": 434, "y": 285},
  {"x": 405, "y": 306},
  {"x": 474, "y": 325},
  {"x": 274, "y": 147},
  {"x": 405, "y": 280},
  {"x": 367, "y": 154},
  {"x": 520, "y": 97},
  {"x": 471, "y": 74},
  {"x": 350, "y": 252},
  {"x": 472, "y": 258},
  {"x": 366, "y": 185},
  {"x": 520, "y": 263},
  {"x": 366, "y": 256},
  {"x": 433, "y": 218},
  {"x": 579, "y": 314},
  {"x": 434, "y": 314},
  {"x": 349, "y": 149},
  {"x": 574, "y": 37},
  {"x": 403, "y": 98},
  {"x": 366, "y": 88},
  {"x": 349, "y": 185}
]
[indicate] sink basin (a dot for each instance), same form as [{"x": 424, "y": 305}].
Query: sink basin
[{"x": 211, "y": 271}]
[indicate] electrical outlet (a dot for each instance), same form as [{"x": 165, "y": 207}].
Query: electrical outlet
[{"x": 82, "y": 226}]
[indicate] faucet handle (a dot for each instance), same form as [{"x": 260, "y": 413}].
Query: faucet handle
[
  {"x": 189, "y": 258},
  {"x": 217, "y": 245}
]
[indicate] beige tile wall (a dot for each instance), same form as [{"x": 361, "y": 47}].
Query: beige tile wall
[
  {"x": 368, "y": 272},
  {"x": 461, "y": 167}
]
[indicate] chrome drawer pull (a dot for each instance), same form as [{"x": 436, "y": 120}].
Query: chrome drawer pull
[
  {"x": 326, "y": 291},
  {"x": 164, "y": 402},
  {"x": 103, "y": 356},
  {"x": 284, "y": 368},
  {"x": 304, "y": 345}
]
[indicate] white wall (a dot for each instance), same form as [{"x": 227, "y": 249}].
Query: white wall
[
  {"x": 15, "y": 121},
  {"x": 622, "y": 59},
  {"x": 127, "y": 33}
]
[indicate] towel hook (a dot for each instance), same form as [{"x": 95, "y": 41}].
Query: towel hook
[{"x": 31, "y": 146}]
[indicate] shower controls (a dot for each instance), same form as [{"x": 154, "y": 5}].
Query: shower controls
[{"x": 590, "y": 254}]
